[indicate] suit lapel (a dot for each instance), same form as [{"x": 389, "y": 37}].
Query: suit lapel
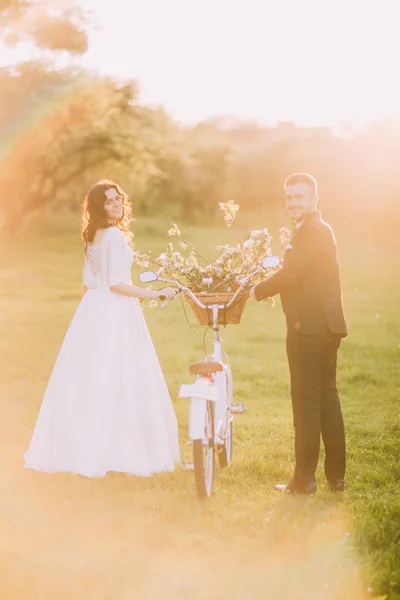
[{"x": 307, "y": 221}]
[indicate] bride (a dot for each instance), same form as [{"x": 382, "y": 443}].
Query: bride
[{"x": 106, "y": 406}]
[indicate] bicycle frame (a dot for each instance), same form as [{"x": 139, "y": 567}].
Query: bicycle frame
[
  {"x": 211, "y": 428},
  {"x": 219, "y": 392},
  {"x": 210, "y": 420},
  {"x": 204, "y": 390}
]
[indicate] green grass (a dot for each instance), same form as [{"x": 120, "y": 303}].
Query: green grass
[{"x": 120, "y": 537}]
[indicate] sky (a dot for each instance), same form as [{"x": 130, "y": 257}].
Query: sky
[{"x": 314, "y": 62}]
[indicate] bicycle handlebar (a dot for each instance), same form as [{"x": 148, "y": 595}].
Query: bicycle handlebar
[
  {"x": 242, "y": 281},
  {"x": 182, "y": 288}
]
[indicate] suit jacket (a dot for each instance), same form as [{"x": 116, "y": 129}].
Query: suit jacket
[{"x": 309, "y": 281}]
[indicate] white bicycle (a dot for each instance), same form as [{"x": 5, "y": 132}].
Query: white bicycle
[{"x": 212, "y": 408}]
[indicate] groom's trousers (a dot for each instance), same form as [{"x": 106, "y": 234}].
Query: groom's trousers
[{"x": 316, "y": 404}]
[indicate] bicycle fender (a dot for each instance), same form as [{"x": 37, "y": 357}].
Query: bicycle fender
[
  {"x": 197, "y": 418},
  {"x": 202, "y": 388}
]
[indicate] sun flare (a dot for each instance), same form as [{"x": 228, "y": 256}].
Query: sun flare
[{"x": 304, "y": 62}]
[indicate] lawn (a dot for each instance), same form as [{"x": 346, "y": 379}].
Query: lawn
[{"x": 65, "y": 537}]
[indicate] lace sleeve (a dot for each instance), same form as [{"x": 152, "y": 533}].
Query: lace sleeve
[{"x": 115, "y": 256}]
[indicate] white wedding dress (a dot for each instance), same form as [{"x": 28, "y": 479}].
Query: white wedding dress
[{"x": 107, "y": 406}]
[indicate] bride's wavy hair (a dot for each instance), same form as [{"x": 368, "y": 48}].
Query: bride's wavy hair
[{"x": 94, "y": 216}]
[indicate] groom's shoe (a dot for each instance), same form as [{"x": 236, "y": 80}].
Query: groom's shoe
[
  {"x": 294, "y": 487},
  {"x": 336, "y": 485},
  {"x": 289, "y": 488}
]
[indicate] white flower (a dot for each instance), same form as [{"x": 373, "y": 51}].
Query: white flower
[
  {"x": 248, "y": 243},
  {"x": 163, "y": 258},
  {"x": 178, "y": 258},
  {"x": 191, "y": 260},
  {"x": 229, "y": 207},
  {"x": 284, "y": 235},
  {"x": 229, "y": 219},
  {"x": 174, "y": 231},
  {"x": 207, "y": 280}
]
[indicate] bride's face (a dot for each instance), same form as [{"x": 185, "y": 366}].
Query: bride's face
[{"x": 113, "y": 205}]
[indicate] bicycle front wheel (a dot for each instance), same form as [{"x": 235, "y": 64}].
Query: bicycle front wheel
[{"x": 204, "y": 457}]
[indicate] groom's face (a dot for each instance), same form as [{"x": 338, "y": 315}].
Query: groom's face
[{"x": 300, "y": 201}]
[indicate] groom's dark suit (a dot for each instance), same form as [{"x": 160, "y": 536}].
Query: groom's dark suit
[{"x": 310, "y": 289}]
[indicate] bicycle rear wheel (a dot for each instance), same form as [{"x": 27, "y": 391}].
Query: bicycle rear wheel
[{"x": 204, "y": 457}]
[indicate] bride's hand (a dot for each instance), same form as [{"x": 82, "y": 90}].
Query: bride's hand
[{"x": 168, "y": 292}]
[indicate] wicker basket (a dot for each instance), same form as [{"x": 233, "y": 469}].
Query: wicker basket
[{"x": 226, "y": 316}]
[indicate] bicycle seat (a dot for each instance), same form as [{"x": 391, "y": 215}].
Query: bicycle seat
[{"x": 200, "y": 368}]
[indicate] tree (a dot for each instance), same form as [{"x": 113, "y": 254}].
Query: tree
[
  {"x": 72, "y": 126},
  {"x": 49, "y": 24}
]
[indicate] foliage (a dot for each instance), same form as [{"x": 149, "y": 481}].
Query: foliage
[
  {"x": 49, "y": 24},
  {"x": 81, "y": 129}
]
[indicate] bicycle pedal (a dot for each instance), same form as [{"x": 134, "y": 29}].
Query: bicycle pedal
[
  {"x": 187, "y": 466},
  {"x": 238, "y": 409}
]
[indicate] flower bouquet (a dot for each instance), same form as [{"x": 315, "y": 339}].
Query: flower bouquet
[{"x": 215, "y": 282}]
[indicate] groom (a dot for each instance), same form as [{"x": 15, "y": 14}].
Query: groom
[{"x": 310, "y": 289}]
